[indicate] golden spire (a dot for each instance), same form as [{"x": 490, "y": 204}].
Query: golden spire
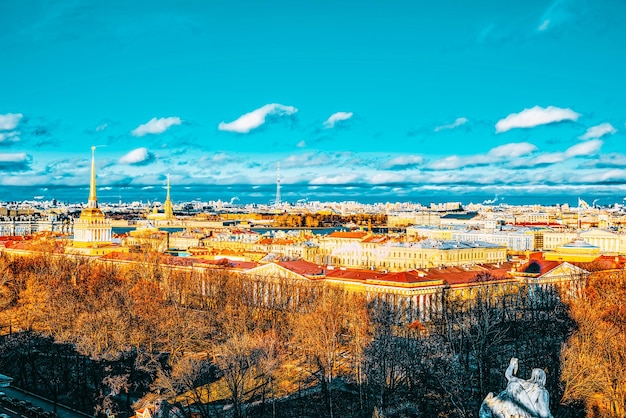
[
  {"x": 169, "y": 211},
  {"x": 93, "y": 201},
  {"x": 167, "y": 198}
]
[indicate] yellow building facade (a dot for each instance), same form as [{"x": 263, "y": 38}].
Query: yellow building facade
[
  {"x": 609, "y": 242},
  {"x": 359, "y": 250},
  {"x": 576, "y": 251}
]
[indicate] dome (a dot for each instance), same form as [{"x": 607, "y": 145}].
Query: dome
[
  {"x": 90, "y": 213},
  {"x": 580, "y": 243}
]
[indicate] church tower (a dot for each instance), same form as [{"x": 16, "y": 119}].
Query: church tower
[
  {"x": 92, "y": 230},
  {"x": 167, "y": 206}
]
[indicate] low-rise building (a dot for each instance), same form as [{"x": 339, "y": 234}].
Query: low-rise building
[
  {"x": 609, "y": 242},
  {"x": 360, "y": 250}
]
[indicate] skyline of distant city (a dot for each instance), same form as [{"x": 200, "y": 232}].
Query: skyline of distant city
[
  {"x": 265, "y": 195},
  {"x": 390, "y": 101}
]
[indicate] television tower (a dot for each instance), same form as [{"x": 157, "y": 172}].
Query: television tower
[{"x": 277, "y": 201}]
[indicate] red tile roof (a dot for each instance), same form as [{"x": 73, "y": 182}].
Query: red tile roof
[
  {"x": 376, "y": 239},
  {"x": 302, "y": 267},
  {"x": 548, "y": 224},
  {"x": 458, "y": 275},
  {"x": 354, "y": 274},
  {"x": 224, "y": 262},
  {"x": 277, "y": 241},
  {"x": 411, "y": 276},
  {"x": 348, "y": 235},
  {"x": 15, "y": 238},
  {"x": 539, "y": 266},
  {"x": 449, "y": 275},
  {"x": 607, "y": 262}
]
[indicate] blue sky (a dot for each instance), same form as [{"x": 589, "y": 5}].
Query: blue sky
[{"x": 390, "y": 97}]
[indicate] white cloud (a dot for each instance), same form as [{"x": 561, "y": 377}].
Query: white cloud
[
  {"x": 605, "y": 176},
  {"x": 584, "y": 148},
  {"x": 387, "y": 177},
  {"x": 137, "y": 156},
  {"x": 306, "y": 160},
  {"x": 498, "y": 154},
  {"x": 9, "y": 136},
  {"x": 458, "y": 122},
  {"x": 156, "y": 126},
  {"x": 404, "y": 161},
  {"x": 336, "y": 117},
  {"x": 338, "y": 179},
  {"x": 543, "y": 159},
  {"x": 14, "y": 162},
  {"x": 512, "y": 150},
  {"x": 559, "y": 13},
  {"x": 598, "y": 131},
  {"x": 19, "y": 157},
  {"x": 102, "y": 127},
  {"x": 301, "y": 144},
  {"x": 611, "y": 160},
  {"x": 9, "y": 121},
  {"x": 449, "y": 163},
  {"x": 535, "y": 116},
  {"x": 549, "y": 158},
  {"x": 222, "y": 158},
  {"x": 249, "y": 121}
]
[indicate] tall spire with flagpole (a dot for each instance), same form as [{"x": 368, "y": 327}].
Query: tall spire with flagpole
[
  {"x": 93, "y": 201},
  {"x": 277, "y": 201},
  {"x": 167, "y": 206},
  {"x": 92, "y": 230},
  {"x": 167, "y": 197}
]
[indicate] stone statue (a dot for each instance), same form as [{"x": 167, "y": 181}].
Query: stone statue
[{"x": 521, "y": 398}]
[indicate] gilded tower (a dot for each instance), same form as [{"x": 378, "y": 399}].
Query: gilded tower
[
  {"x": 167, "y": 206},
  {"x": 92, "y": 230},
  {"x": 168, "y": 210}
]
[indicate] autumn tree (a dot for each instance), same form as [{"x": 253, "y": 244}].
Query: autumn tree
[
  {"x": 594, "y": 359},
  {"x": 239, "y": 360},
  {"x": 324, "y": 338},
  {"x": 187, "y": 385}
]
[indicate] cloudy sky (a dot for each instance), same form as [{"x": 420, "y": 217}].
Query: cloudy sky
[{"x": 390, "y": 97}]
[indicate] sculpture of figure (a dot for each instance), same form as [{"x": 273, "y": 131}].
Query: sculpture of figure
[{"x": 521, "y": 398}]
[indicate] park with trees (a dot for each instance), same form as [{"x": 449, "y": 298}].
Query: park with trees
[{"x": 105, "y": 336}]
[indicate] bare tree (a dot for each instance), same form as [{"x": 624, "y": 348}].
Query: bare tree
[
  {"x": 187, "y": 385},
  {"x": 324, "y": 336}
]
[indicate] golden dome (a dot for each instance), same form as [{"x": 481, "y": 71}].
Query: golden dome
[{"x": 91, "y": 213}]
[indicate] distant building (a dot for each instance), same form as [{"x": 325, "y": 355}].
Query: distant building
[
  {"x": 513, "y": 240},
  {"x": 362, "y": 250},
  {"x": 609, "y": 242},
  {"x": 183, "y": 240},
  {"x": 168, "y": 210},
  {"x": 578, "y": 250},
  {"x": 147, "y": 237},
  {"x": 395, "y": 220}
]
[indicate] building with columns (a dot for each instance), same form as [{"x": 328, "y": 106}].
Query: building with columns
[
  {"x": 377, "y": 252},
  {"x": 92, "y": 230},
  {"x": 609, "y": 242}
]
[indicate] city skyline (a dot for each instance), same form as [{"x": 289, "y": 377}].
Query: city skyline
[{"x": 389, "y": 99}]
